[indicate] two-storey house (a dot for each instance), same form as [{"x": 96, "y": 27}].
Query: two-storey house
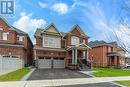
[
  {"x": 54, "y": 49},
  {"x": 105, "y": 54},
  {"x": 15, "y": 47}
]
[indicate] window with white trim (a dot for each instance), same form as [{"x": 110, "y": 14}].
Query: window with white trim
[
  {"x": 19, "y": 38},
  {"x": 5, "y": 35},
  {"x": 53, "y": 42},
  {"x": 1, "y": 28},
  {"x": 74, "y": 40},
  {"x": 84, "y": 54},
  {"x": 84, "y": 41}
]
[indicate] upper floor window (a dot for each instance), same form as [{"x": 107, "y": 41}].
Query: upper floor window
[
  {"x": 54, "y": 42},
  {"x": 1, "y": 28},
  {"x": 19, "y": 38},
  {"x": 5, "y": 35},
  {"x": 84, "y": 41},
  {"x": 74, "y": 40}
]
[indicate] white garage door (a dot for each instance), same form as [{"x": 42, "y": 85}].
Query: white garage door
[
  {"x": 11, "y": 62},
  {"x": 44, "y": 63},
  {"x": 58, "y": 63}
]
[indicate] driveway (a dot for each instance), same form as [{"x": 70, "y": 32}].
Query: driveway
[
  {"x": 46, "y": 74},
  {"x": 105, "y": 84}
]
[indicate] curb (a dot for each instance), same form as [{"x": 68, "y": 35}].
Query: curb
[
  {"x": 118, "y": 84},
  {"x": 28, "y": 75},
  {"x": 88, "y": 73}
]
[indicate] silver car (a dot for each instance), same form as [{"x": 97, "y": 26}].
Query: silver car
[{"x": 127, "y": 65}]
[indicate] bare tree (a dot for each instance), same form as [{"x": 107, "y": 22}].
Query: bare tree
[{"x": 121, "y": 34}]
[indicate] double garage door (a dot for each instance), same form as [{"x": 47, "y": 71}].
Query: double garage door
[
  {"x": 47, "y": 63},
  {"x": 10, "y": 63}
]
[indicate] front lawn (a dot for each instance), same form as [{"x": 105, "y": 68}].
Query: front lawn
[
  {"x": 15, "y": 75},
  {"x": 125, "y": 83},
  {"x": 107, "y": 72}
]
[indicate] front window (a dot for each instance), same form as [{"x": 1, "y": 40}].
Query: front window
[
  {"x": 20, "y": 38},
  {"x": 74, "y": 40},
  {"x": 54, "y": 42},
  {"x": 84, "y": 54},
  {"x": 84, "y": 41},
  {"x": 5, "y": 35},
  {"x": 1, "y": 28}
]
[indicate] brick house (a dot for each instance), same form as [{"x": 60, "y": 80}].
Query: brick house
[
  {"x": 54, "y": 49},
  {"x": 16, "y": 48},
  {"x": 105, "y": 54}
]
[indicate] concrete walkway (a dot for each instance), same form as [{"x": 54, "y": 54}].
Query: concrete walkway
[{"x": 61, "y": 82}]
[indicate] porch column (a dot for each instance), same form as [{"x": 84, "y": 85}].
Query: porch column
[
  {"x": 76, "y": 56},
  {"x": 73, "y": 56},
  {"x": 87, "y": 54},
  {"x": 35, "y": 55}
]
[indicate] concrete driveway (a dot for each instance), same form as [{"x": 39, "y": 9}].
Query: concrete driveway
[{"x": 46, "y": 74}]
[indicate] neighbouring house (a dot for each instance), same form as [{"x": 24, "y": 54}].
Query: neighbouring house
[
  {"x": 16, "y": 48},
  {"x": 105, "y": 54},
  {"x": 55, "y": 49}
]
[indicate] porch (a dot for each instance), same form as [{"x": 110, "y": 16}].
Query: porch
[
  {"x": 77, "y": 56},
  {"x": 114, "y": 60}
]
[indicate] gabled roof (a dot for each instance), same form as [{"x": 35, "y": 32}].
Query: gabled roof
[
  {"x": 84, "y": 45},
  {"x": 19, "y": 31},
  {"x": 38, "y": 32},
  {"x": 79, "y": 29},
  {"x": 51, "y": 25},
  {"x": 15, "y": 29},
  {"x": 11, "y": 28}
]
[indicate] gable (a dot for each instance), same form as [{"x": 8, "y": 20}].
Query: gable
[
  {"x": 4, "y": 25},
  {"x": 77, "y": 30},
  {"x": 52, "y": 29}
]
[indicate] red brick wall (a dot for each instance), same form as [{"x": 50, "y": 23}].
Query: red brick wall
[
  {"x": 25, "y": 52},
  {"x": 4, "y": 50},
  {"x": 43, "y": 53},
  {"x": 96, "y": 54},
  {"x": 11, "y": 36},
  {"x": 39, "y": 41},
  {"x": 4, "y": 25},
  {"x": 76, "y": 33}
]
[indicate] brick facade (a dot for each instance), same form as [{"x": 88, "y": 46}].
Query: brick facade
[
  {"x": 23, "y": 49},
  {"x": 106, "y": 55},
  {"x": 62, "y": 52}
]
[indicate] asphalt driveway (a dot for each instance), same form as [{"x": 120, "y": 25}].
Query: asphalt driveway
[
  {"x": 46, "y": 74},
  {"x": 104, "y": 84}
]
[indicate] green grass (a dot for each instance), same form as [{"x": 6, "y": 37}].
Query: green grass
[
  {"x": 125, "y": 83},
  {"x": 107, "y": 72},
  {"x": 15, "y": 75}
]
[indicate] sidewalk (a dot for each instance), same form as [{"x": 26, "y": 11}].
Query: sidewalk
[{"x": 61, "y": 82}]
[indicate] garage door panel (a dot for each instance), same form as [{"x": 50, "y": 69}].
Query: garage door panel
[
  {"x": 44, "y": 63},
  {"x": 11, "y": 63},
  {"x": 59, "y": 63}
]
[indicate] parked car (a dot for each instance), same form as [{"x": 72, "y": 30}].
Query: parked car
[{"x": 127, "y": 65}]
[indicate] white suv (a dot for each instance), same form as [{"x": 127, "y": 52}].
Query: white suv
[{"x": 127, "y": 65}]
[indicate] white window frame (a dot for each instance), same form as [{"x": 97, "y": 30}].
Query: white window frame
[
  {"x": 84, "y": 54},
  {"x": 74, "y": 40},
  {"x": 5, "y": 35},
  {"x": 1, "y": 28},
  {"x": 84, "y": 41},
  {"x": 20, "y": 38},
  {"x": 53, "y": 42}
]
